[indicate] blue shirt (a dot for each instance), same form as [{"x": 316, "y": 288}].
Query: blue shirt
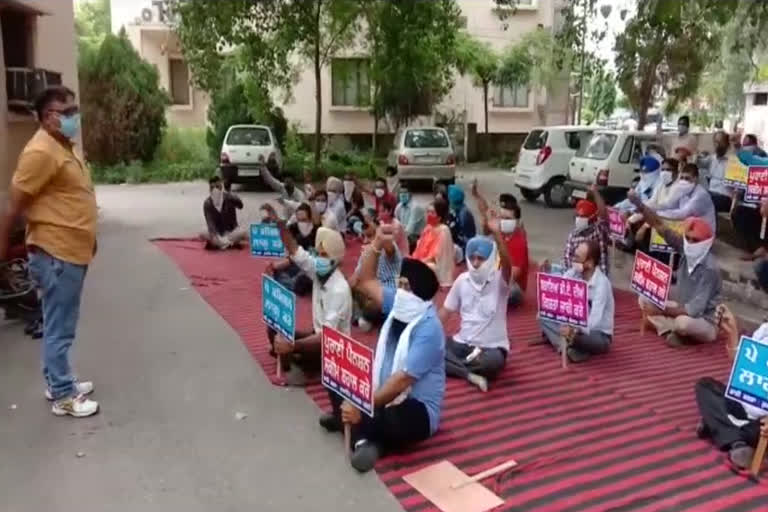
[{"x": 425, "y": 361}]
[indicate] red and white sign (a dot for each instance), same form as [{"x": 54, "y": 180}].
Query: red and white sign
[
  {"x": 348, "y": 369},
  {"x": 616, "y": 225},
  {"x": 651, "y": 279},
  {"x": 757, "y": 184},
  {"x": 563, "y": 299}
]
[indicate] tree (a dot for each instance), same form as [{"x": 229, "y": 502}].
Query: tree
[
  {"x": 601, "y": 96},
  {"x": 92, "y": 22},
  {"x": 122, "y": 103},
  {"x": 482, "y": 62},
  {"x": 274, "y": 38},
  {"x": 662, "y": 53}
]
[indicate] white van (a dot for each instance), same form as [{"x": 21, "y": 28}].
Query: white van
[
  {"x": 542, "y": 167},
  {"x": 611, "y": 161}
]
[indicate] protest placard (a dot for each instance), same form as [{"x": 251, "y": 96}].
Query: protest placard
[
  {"x": 735, "y": 173},
  {"x": 347, "y": 369},
  {"x": 278, "y": 305},
  {"x": 657, "y": 241},
  {"x": 651, "y": 279},
  {"x": 266, "y": 241},
  {"x": 616, "y": 226},
  {"x": 748, "y": 383},
  {"x": 757, "y": 184},
  {"x": 563, "y": 299}
]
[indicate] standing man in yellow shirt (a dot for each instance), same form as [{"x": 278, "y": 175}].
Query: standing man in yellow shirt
[{"x": 52, "y": 187}]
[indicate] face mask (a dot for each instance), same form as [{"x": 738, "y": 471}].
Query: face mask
[
  {"x": 578, "y": 267},
  {"x": 404, "y": 198},
  {"x": 407, "y": 307},
  {"x": 320, "y": 206},
  {"x": 685, "y": 186},
  {"x": 323, "y": 266},
  {"x": 433, "y": 219},
  {"x": 666, "y": 177},
  {"x": 695, "y": 252},
  {"x": 581, "y": 223},
  {"x": 70, "y": 125},
  {"x": 217, "y": 196},
  {"x": 379, "y": 192},
  {"x": 480, "y": 275},
  {"x": 332, "y": 196},
  {"x": 682, "y": 129},
  {"x": 305, "y": 228},
  {"x": 349, "y": 187},
  {"x": 508, "y": 225}
]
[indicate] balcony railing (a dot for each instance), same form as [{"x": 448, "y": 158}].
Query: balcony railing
[{"x": 24, "y": 84}]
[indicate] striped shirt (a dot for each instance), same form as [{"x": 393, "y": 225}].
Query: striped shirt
[{"x": 388, "y": 270}]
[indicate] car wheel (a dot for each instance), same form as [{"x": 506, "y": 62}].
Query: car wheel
[
  {"x": 530, "y": 195},
  {"x": 556, "y": 193}
]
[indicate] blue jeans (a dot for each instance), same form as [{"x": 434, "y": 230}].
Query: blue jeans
[{"x": 61, "y": 285}]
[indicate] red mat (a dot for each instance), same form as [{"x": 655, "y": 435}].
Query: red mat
[{"x": 612, "y": 434}]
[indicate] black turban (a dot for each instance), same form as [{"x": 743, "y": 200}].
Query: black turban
[{"x": 421, "y": 278}]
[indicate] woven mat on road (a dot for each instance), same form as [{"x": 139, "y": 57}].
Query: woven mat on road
[{"x": 612, "y": 434}]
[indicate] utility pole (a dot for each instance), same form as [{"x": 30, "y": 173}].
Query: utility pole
[{"x": 583, "y": 57}]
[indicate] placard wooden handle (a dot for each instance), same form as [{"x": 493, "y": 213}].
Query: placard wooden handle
[
  {"x": 762, "y": 229},
  {"x": 485, "y": 474},
  {"x": 757, "y": 459},
  {"x": 279, "y": 367},
  {"x": 348, "y": 440}
]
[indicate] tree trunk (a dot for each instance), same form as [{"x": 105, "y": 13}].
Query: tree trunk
[
  {"x": 375, "y": 122},
  {"x": 485, "y": 104},
  {"x": 318, "y": 92}
]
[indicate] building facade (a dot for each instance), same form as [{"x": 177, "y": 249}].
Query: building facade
[
  {"x": 756, "y": 111},
  {"x": 146, "y": 24},
  {"x": 37, "y": 49}
]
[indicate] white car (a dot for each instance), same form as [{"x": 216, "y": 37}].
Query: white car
[
  {"x": 542, "y": 167},
  {"x": 423, "y": 153},
  {"x": 246, "y": 149}
]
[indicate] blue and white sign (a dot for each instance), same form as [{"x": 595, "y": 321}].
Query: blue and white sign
[
  {"x": 278, "y": 305},
  {"x": 749, "y": 376},
  {"x": 266, "y": 241}
]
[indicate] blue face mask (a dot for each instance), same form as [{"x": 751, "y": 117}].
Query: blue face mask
[
  {"x": 70, "y": 125},
  {"x": 404, "y": 198},
  {"x": 323, "y": 266}
]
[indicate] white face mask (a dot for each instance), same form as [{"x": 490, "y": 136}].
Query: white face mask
[
  {"x": 332, "y": 196},
  {"x": 508, "y": 225},
  {"x": 696, "y": 252},
  {"x": 480, "y": 275},
  {"x": 407, "y": 306},
  {"x": 320, "y": 206},
  {"x": 349, "y": 187},
  {"x": 666, "y": 177},
  {"x": 379, "y": 192},
  {"x": 305, "y": 227},
  {"x": 685, "y": 186},
  {"x": 581, "y": 223},
  {"x": 217, "y": 196}
]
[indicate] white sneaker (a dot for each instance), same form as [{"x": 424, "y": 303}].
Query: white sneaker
[
  {"x": 78, "y": 407},
  {"x": 479, "y": 381},
  {"x": 81, "y": 388}
]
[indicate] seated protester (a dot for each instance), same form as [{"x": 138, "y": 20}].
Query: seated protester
[
  {"x": 440, "y": 190},
  {"x": 355, "y": 217},
  {"x": 220, "y": 214},
  {"x": 650, "y": 179},
  {"x": 408, "y": 369},
  {"x": 435, "y": 246},
  {"x": 410, "y": 214},
  {"x": 303, "y": 231},
  {"x": 691, "y": 318},
  {"x": 746, "y": 217},
  {"x": 596, "y": 338},
  {"x": 380, "y": 193},
  {"x": 590, "y": 224},
  {"x": 321, "y": 210},
  {"x": 478, "y": 352},
  {"x": 514, "y": 237},
  {"x": 387, "y": 216},
  {"x": 713, "y": 171},
  {"x": 666, "y": 193},
  {"x": 387, "y": 272},
  {"x": 731, "y": 426},
  {"x": 694, "y": 200},
  {"x": 684, "y": 142},
  {"x": 461, "y": 222},
  {"x": 393, "y": 182},
  {"x": 290, "y": 195},
  {"x": 335, "y": 192},
  {"x": 331, "y": 303},
  {"x": 349, "y": 190},
  {"x": 750, "y": 144}
]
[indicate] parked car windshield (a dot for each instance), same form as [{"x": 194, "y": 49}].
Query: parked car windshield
[
  {"x": 537, "y": 139},
  {"x": 600, "y": 146},
  {"x": 426, "y": 139},
  {"x": 249, "y": 136}
]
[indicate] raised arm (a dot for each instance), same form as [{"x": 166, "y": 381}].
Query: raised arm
[
  {"x": 291, "y": 246},
  {"x": 506, "y": 261},
  {"x": 656, "y": 222},
  {"x": 363, "y": 187},
  {"x": 602, "y": 210},
  {"x": 482, "y": 204},
  {"x": 367, "y": 280},
  {"x": 271, "y": 181}
]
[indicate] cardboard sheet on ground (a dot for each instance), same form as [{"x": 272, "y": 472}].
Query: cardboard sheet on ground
[{"x": 436, "y": 483}]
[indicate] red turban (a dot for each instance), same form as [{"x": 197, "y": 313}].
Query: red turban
[
  {"x": 698, "y": 228},
  {"x": 586, "y": 208}
]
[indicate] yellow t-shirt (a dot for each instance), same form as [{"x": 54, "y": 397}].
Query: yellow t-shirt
[{"x": 61, "y": 219}]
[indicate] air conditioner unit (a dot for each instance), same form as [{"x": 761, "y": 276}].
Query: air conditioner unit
[{"x": 24, "y": 84}]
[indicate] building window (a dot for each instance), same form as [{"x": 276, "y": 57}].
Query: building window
[
  {"x": 514, "y": 4},
  {"x": 761, "y": 98},
  {"x": 512, "y": 97},
  {"x": 351, "y": 86},
  {"x": 179, "y": 82},
  {"x": 18, "y": 29}
]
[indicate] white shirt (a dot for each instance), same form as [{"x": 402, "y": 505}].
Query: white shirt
[
  {"x": 332, "y": 301},
  {"x": 483, "y": 313},
  {"x": 601, "y": 305},
  {"x": 340, "y": 212},
  {"x": 328, "y": 220},
  {"x": 714, "y": 168}
]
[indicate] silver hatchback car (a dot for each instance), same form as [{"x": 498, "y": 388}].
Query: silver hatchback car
[{"x": 423, "y": 153}]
